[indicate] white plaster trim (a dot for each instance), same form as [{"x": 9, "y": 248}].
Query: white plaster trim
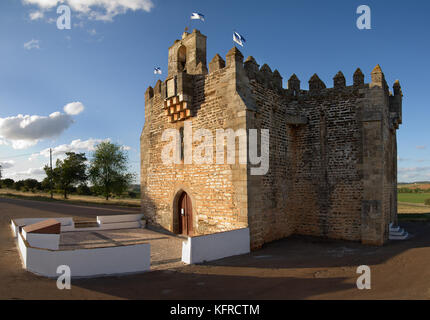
[{"x": 216, "y": 246}]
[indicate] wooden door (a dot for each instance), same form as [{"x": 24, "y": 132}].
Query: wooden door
[{"x": 185, "y": 214}]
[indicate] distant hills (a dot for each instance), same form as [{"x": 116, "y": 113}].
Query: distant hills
[{"x": 416, "y": 182}]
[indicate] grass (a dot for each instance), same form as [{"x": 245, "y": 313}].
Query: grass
[
  {"x": 410, "y": 206},
  {"x": 413, "y": 197},
  {"x": 43, "y": 196},
  {"x": 414, "y": 217}
]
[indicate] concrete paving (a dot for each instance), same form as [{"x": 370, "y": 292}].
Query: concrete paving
[{"x": 166, "y": 249}]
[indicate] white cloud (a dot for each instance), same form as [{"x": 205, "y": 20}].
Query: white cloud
[
  {"x": 7, "y": 164},
  {"x": 103, "y": 10},
  {"x": 421, "y": 147},
  {"x": 32, "y": 44},
  {"x": 36, "y": 15},
  {"x": 23, "y": 131},
  {"x": 74, "y": 108},
  {"x": 411, "y": 174},
  {"x": 75, "y": 146},
  {"x": 30, "y": 173}
]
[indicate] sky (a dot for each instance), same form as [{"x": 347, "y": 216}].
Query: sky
[{"x": 71, "y": 89}]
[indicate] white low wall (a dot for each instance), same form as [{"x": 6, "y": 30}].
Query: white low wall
[
  {"x": 119, "y": 218},
  {"x": 112, "y": 226},
  {"x": 216, "y": 246},
  {"x": 14, "y": 228},
  {"x": 67, "y": 224},
  {"x": 125, "y": 221},
  {"x": 86, "y": 262},
  {"x": 40, "y": 240}
]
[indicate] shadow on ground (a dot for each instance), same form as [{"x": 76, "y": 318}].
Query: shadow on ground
[{"x": 294, "y": 268}]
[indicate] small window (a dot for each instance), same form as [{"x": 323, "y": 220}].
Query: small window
[
  {"x": 182, "y": 58},
  {"x": 181, "y": 137}
]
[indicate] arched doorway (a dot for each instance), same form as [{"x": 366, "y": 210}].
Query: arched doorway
[{"x": 185, "y": 214}]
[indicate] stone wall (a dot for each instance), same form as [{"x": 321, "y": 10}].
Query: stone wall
[
  {"x": 314, "y": 184},
  {"x": 333, "y": 159},
  {"x": 333, "y": 151},
  {"x": 218, "y": 191}
]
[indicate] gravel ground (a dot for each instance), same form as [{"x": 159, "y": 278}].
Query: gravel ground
[{"x": 293, "y": 268}]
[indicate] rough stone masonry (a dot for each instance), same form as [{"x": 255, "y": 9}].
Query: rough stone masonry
[{"x": 333, "y": 152}]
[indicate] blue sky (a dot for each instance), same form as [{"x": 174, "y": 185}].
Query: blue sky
[{"x": 106, "y": 65}]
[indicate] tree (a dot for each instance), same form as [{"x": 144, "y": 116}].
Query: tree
[
  {"x": 46, "y": 183},
  {"x": 8, "y": 183},
  {"x": 18, "y": 185},
  {"x": 32, "y": 184},
  {"x": 108, "y": 169},
  {"x": 83, "y": 190},
  {"x": 68, "y": 172}
]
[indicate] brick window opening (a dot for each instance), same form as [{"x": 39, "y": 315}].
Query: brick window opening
[
  {"x": 181, "y": 137},
  {"x": 182, "y": 59}
]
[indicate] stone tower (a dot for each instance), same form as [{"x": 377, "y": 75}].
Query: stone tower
[
  {"x": 188, "y": 54},
  {"x": 332, "y": 150}
]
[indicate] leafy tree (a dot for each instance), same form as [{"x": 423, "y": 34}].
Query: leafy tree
[
  {"x": 108, "y": 169},
  {"x": 8, "y": 183},
  {"x": 32, "y": 184},
  {"x": 68, "y": 172},
  {"x": 83, "y": 190},
  {"x": 18, "y": 185},
  {"x": 46, "y": 183}
]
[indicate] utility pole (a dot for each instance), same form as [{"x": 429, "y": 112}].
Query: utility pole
[{"x": 50, "y": 180}]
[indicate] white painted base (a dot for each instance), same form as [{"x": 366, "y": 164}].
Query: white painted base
[
  {"x": 67, "y": 224},
  {"x": 86, "y": 262},
  {"x": 119, "y": 218},
  {"x": 126, "y": 221},
  {"x": 216, "y": 246},
  {"x": 40, "y": 252},
  {"x": 44, "y": 241}
]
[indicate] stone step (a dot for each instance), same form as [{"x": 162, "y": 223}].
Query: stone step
[
  {"x": 86, "y": 224},
  {"x": 399, "y": 237},
  {"x": 395, "y": 229},
  {"x": 398, "y": 233}
]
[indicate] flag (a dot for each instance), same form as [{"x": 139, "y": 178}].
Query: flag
[
  {"x": 157, "y": 70},
  {"x": 238, "y": 39},
  {"x": 197, "y": 16}
]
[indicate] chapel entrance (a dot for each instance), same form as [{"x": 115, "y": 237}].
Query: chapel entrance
[{"x": 185, "y": 212}]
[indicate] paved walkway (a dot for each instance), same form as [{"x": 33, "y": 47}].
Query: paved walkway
[{"x": 166, "y": 249}]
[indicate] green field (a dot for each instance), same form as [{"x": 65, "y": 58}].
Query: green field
[{"x": 413, "y": 197}]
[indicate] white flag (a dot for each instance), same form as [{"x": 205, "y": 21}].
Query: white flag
[
  {"x": 240, "y": 40},
  {"x": 197, "y": 16}
]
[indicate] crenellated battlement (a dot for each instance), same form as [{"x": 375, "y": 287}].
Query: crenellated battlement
[
  {"x": 187, "y": 62},
  {"x": 331, "y": 149}
]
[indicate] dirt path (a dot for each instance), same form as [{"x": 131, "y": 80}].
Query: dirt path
[{"x": 294, "y": 268}]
